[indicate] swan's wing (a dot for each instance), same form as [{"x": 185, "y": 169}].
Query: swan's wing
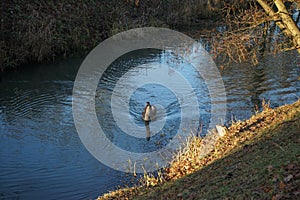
[{"x": 153, "y": 110}]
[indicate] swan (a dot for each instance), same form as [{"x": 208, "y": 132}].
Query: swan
[{"x": 149, "y": 112}]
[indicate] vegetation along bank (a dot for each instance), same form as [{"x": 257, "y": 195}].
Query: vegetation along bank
[
  {"x": 40, "y": 31},
  {"x": 258, "y": 158}
]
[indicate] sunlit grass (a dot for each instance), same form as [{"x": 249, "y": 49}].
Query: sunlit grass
[{"x": 255, "y": 158}]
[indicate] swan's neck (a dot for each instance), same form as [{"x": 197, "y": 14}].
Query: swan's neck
[{"x": 147, "y": 113}]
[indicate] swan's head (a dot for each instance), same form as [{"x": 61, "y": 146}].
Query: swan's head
[{"x": 148, "y": 104}]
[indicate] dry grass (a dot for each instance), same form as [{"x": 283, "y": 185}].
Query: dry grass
[
  {"x": 240, "y": 139},
  {"x": 40, "y": 31},
  {"x": 237, "y": 136}
]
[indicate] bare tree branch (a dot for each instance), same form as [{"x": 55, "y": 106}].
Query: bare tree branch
[{"x": 264, "y": 25}]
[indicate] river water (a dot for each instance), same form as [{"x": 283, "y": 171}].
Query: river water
[{"x": 41, "y": 153}]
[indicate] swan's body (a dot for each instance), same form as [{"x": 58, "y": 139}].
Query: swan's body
[{"x": 149, "y": 112}]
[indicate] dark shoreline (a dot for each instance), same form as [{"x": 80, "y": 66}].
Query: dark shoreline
[{"x": 44, "y": 31}]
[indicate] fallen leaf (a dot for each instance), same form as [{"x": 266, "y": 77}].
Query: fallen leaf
[
  {"x": 276, "y": 197},
  {"x": 281, "y": 185}
]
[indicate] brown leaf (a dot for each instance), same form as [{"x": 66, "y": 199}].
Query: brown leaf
[
  {"x": 267, "y": 189},
  {"x": 281, "y": 185},
  {"x": 276, "y": 197}
]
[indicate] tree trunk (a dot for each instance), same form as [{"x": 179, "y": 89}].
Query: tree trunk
[
  {"x": 289, "y": 23},
  {"x": 283, "y": 20}
]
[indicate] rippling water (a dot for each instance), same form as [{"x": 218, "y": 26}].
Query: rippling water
[
  {"x": 134, "y": 91},
  {"x": 41, "y": 153}
]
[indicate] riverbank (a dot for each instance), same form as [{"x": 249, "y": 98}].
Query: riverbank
[
  {"x": 41, "y": 31},
  {"x": 258, "y": 158}
]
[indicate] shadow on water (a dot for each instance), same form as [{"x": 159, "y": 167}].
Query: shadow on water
[
  {"x": 41, "y": 153},
  {"x": 275, "y": 79}
]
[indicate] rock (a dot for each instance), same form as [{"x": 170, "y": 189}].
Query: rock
[{"x": 221, "y": 130}]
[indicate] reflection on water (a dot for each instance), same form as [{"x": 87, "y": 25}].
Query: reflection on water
[
  {"x": 275, "y": 79},
  {"x": 148, "y": 133},
  {"x": 41, "y": 153},
  {"x": 162, "y": 91}
]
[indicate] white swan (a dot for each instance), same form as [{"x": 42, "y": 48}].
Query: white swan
[{"x": 149, "y": 112}]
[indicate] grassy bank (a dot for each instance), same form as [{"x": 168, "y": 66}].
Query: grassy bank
[
  {"x": 258, "y": 158},
  {"x": 37, "y": 31}
]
